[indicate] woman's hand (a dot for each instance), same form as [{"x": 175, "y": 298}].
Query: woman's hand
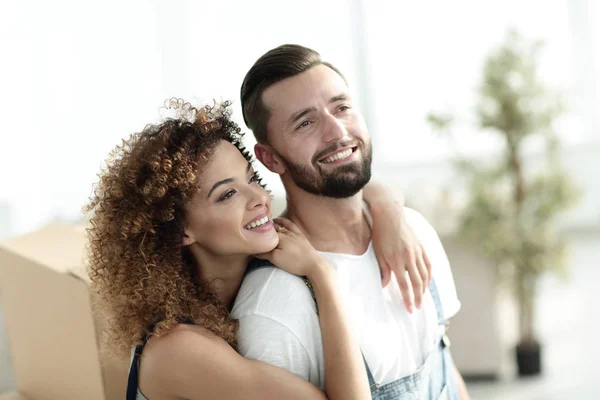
[
  {"x": 294, "y": 253},
  {"x": 396, "y": 246}
]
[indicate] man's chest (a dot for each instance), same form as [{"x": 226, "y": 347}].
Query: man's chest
[{"x": 394, "y": 342}]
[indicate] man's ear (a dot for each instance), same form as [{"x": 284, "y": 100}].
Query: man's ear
[{"x": 268, "y": 158}]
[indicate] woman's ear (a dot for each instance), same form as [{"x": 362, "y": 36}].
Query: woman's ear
[
  {"x": 188, "y": 237},
  {"x": 268, "y": 158}
]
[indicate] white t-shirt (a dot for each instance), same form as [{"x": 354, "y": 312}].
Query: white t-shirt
[{"x": 279, "y": 324}]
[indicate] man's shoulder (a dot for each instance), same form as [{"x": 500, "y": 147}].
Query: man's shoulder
[
  {"x": 440, "y": 265},
  {"x": 417, "y": 222},
  {"x": 273, "y": 293},
  {"x": 278, "y": 322},
  {"x": 422, "y": 228}
]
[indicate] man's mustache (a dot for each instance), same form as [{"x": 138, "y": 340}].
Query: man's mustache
[{"x": 333, "y": 148}]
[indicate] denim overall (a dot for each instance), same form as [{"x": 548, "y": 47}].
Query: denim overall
[{"x": 434, "y": 380}]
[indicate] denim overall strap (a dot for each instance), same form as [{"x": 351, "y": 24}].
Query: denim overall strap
[
  {"x": 257, "y": 263},
  {"x": 372, "y": 383},
  {"x": 452, "y": 391},
  {"x": 438, "y": 303},
  {"x": 434, "y": 379}
]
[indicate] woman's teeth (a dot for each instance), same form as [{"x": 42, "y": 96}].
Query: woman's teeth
[
  {"x": 258, "y": 223},
  {"x": 338, "y": 156}
]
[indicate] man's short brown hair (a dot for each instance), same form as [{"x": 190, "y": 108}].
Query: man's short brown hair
[{"x": 275, "y": 65}]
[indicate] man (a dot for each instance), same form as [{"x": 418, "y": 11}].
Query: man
[{"x": 310, "y": 132}]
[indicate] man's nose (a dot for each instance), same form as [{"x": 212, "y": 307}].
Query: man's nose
[{"x": 334, "y": 129}]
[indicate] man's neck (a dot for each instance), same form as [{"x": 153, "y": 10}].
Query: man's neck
[{"x": 330, "y": 224}]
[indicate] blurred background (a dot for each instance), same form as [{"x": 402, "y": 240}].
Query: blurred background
[{"x": 455, "y": 93}]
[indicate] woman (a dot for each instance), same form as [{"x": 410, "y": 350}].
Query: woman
[{"x": 178, "y": 215}]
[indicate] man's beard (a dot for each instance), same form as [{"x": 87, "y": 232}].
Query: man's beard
[{"x": 344, "y": 181}]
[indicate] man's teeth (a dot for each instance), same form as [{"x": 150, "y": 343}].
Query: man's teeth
[
  {"x": 258, "y": 223},
  {"x": 338, "y": 156}
]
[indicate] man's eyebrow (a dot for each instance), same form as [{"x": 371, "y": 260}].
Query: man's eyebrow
[
  {"x": 339, "y": 97},
  {"x": 296, "y": 116},
  {"x": 216, "y": 185}
]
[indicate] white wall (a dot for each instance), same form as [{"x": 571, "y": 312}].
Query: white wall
[
  {"x": 435, "y": 188},
  {"x": 429, "y": 55},
  {"x": 84, "y": 75},
  {"x": 76, "y": 76}
]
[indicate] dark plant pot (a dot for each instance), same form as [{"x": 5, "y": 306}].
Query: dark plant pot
[{"x": 529, "y": 358}]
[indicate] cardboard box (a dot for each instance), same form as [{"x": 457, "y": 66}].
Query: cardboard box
[
  {"x": 12, "y": 396},
  {"x": 56, "y": 343}
]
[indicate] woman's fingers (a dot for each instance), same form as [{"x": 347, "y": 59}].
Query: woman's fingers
[
  {"x": 415, "y": 276},
  {"x": 427, "y": 264},
  {"x": 287, "y": 224}
]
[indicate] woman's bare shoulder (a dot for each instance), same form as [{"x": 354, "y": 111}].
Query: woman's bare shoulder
[
  {"x": 191, "y": 362},
  {"x": 166, "y": 359}
]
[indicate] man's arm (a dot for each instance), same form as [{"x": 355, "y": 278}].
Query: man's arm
[
  {"x": 461, "y": 387},
  {"x": 443, "y": 277},
  {"x": 441, "y": 271}
]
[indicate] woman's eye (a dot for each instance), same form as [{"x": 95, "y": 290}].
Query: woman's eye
[
  {"x": 227, "y": 195},
  {"x": 254, "y": 177}
]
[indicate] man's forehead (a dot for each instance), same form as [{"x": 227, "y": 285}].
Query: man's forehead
[{"x": 299, "y": 91}]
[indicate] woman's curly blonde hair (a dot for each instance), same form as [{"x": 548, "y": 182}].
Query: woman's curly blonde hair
[{"x": 144, "y": 280}]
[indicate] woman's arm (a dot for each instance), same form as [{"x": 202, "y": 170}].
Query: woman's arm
[
  {"x": 193, "y": 363},
  {"x": 396, "y": 246},
  {"x": 345, "y": 373}
]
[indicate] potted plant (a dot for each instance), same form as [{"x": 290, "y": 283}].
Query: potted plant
[{"x": 511, "y": 208}]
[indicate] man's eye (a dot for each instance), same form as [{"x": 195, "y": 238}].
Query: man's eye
[
  {"x": 303, "y": 124},
  {"x": 344, "y": 108}
]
